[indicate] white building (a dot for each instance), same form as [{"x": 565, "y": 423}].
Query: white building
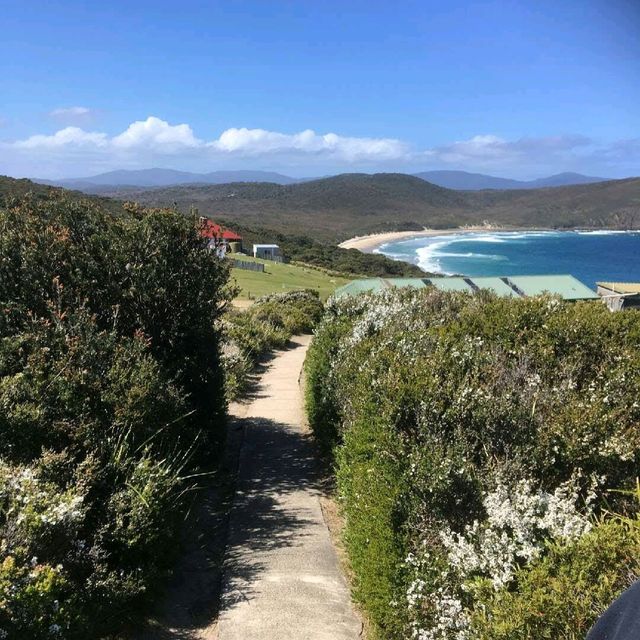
[{"x": 267, "y": 251}]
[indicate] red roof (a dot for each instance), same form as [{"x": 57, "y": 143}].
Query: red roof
[{"x": 209, "y": 229}]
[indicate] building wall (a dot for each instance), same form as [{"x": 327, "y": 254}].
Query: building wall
[
  {"x": 266, "y": 253},
  {"x": 618, "y": 302}
]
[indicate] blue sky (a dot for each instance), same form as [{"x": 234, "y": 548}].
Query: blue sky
[{"x": 520, "y": 88}]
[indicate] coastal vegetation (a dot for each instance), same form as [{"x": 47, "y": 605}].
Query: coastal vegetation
[
  {"x": 486, "y": 453},
  {"x": 485, "y": 449},
  {"x": 119, "y": 351},
  {"x": 111, "y": 402}
]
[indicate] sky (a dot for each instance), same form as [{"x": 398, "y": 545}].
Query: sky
[{"x": 516, "y": 88}]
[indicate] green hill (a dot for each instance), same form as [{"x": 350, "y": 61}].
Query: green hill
[
  {"x": 333, "y": 209},
  {"x": 336, "y": 208},
  {"x": 298, "y": 247},
  {"x": 11, "y": 188}
]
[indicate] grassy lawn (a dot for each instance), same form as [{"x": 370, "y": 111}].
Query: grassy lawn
[{"x": 283, "y": 277}]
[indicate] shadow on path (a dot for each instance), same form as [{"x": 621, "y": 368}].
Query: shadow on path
[
  {"x": 280, "y": 578},
  {"x": 279, "y": 460}
]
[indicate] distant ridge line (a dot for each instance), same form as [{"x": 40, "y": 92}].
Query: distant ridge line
[{"x": 157, "y": 178}]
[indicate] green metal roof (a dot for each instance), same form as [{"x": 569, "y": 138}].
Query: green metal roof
[
  {"x": 565, "y": 286},
  {"x": 497, "y": 285},
  {"x": 451, "y": 284},
  {"x": 377, "y": 284},
  {"x": 416, "y": 283},
  {"x": 359, "y": 286}
]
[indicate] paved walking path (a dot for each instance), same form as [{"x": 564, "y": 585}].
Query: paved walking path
[{"x": 281, "y": 575}]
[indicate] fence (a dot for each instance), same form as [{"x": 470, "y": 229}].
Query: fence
[{"x": 249, "y": 266}]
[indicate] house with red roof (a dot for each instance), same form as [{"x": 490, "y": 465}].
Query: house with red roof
[{"x": 220, "y": 238}]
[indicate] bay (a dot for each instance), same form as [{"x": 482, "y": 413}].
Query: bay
[{"x": 588, "y": 255}]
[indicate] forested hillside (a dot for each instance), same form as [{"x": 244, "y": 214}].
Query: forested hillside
[
  {"x": 12, "y": 188},
  {"x": 298, "y": 247},
  {"x": 336, "y": 208}
]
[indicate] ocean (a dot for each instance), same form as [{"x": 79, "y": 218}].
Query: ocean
[{"x": 588, "y": 255}]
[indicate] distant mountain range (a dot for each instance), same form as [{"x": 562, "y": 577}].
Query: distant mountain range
[
  {"x": 457, "y": 180},
  {"x": 165, "y": 178},
  {"x": 462, "y": 180}
]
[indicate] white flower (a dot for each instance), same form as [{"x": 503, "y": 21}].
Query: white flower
[{"x": 519, "y": 521}]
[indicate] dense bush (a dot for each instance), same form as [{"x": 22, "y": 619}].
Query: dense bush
[
  {"x": 268, "y": 324},
  {"x": 111, "y": 389},
  {"x": 474, "y": 441},
  {"x": 558, "y": 595}
]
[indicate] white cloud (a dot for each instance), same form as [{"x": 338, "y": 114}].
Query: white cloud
[
  {"x": 67, "y": 137},
  {"x": 154, "y": 133},
  {"x": 157, "y": 136},
  {"x": 155, "y": 142},
  {"x": 260, "y": 141},
  {"x": 624, "y": 150},
  {"x": 65, "y": 112},
  {"x": 489, "y": 150},
  {"x": 73, "y": 115}
]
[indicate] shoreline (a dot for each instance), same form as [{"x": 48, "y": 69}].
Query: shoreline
[{"x": 369, "y": 243}]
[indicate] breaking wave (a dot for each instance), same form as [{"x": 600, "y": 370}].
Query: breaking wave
[{"x": 590, "y": 254}]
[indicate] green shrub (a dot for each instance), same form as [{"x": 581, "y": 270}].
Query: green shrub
[
  {"x": 111, "y": 393},
  {"x": 472, "y": 436},
  {"x": 31, "y": 593},
  {"x": 148, "y": 274},
  {"x": 561, "y": 595},
  {"x": 321, "y": 405}
]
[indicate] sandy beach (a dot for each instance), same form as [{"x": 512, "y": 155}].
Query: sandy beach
[{"x": 368, "y": 244}]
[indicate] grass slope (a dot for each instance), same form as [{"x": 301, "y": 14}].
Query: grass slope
[
  {"x": 282, "y": 278},
  {"x": 333, "y": 209}
]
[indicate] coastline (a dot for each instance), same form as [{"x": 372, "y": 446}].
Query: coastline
[
  {"x": 433, "y": 257},
  {"x": 371, "y": 242}
]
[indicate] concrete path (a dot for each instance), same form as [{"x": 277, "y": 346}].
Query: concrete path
[{"x": 281, "y": 575}]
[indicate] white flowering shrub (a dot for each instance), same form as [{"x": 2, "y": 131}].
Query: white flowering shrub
[
  {"x": 471, "y": 434},
  {"x": 517, "y": 522},
  {"x": 30, "y": 597},
  {"x": 32, "y": 507},
  {"x": 34, "y": 516}
]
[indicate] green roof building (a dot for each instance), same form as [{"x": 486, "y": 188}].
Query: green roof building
[{"x": 565, "y": 286}]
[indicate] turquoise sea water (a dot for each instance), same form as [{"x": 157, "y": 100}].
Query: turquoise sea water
[{"x": 588, "y": 255}]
